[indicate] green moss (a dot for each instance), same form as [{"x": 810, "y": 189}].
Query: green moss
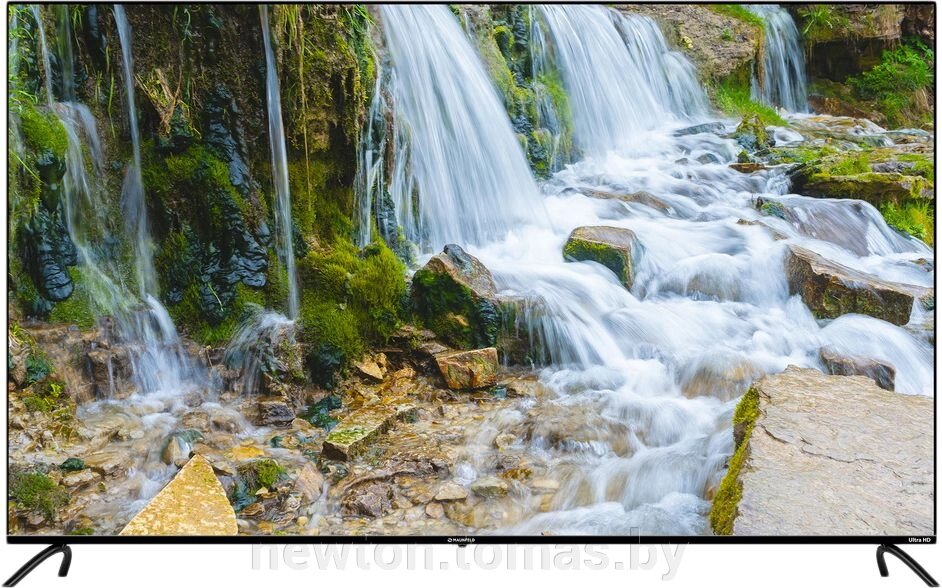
[
  {"x": 733, "y": 96},
  {"x": 189, "y": 315},
  {"x": 43, "y": 132},
  {"x": 350, "y": 298},
  {"x": 923, "y": 165},
  {"x": 77, "y": 308},
  {"x": 347, "y": 436},
  {"x": 855, "y": 163},
  {"x": 453, "y": 311},
  {"x": 73, "y": 464},
  {"x": 725, "y": 504},
  {"x": 261, "y": 473},
  {"x": 822, "y": 22},
  {"x": 610, "y": 257},
  {"x": 37, "y": 491}
]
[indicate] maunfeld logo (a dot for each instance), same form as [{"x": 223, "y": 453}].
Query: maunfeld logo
[{"x": 461, "y": 539}]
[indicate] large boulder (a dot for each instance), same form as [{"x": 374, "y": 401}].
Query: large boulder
[
  {"x": 193, "y": 503},
  {"x": 612, "y": 247},
  {"x": 828, "y": 455},
  {"x": 831, "y": 290},
  {"x": 454, "y": 295},
  {"x": 469, "y": 370}
]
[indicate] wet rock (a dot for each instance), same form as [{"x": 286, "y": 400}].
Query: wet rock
[
  {"x": 707, "y": 158},
  {"x": 710, "y": 127},
  {"x": 469, "y": 370},
  {"x": 451, "y": 491},
  {"x": 639, "y": 197},
  {"x": 358, "y": 430},
  {"x": 490, "y": 487},
  {"x": 80, "y": 478},
  {"x": 613, "y": 247},
  {"x": 178, "y": 446},
  {"x": 837, "y": 364},
  {"x": 831, "y": 290},
  {"x": 454, "y": 295},
  {"x": 310, "y": 482},
  {"x": 435, "y": 510},
  {"x": 193, "y": 503},
  {"x": 752, "y": 135},
  {"x": 830, "y": 455},
  {"x": 111, "y": 372},
  {"x": 73, "y": 464},
  {"x": 748, "y": 167},
  {"x": 371, "y": 500},
  {"x": 273, "y": 411},
  {"x": 875, "y": 188},
  {"x": 373, "y": 368}
]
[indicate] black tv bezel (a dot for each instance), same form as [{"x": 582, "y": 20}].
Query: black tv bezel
[{"x": 460, "y": 540}]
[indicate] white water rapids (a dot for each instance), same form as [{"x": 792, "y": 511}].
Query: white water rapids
[{"x": 644, "y": 381}]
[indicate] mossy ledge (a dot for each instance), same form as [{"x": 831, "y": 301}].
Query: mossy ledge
[{"x": 725, "y": 502}]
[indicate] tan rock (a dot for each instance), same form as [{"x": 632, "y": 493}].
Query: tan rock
[
  {"x": 310, "y": 482},
  {"x": 469, "y": 370},
  {"x": 451, "y": 491},
  {"x": 836, "y": 455},
  {"x": 193, "y": 503}
]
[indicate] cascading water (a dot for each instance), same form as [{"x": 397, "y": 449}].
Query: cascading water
[
  {"x": 132, "y": 192},
  {"x": 44, "y": 48},
  {"x": 643, "y": 382},
  {"x": 472, "y": 179},
  {"x": 279, "y": 164},
  {"x": 782, "y": 82},
  {"x": 620, "y": 74}
]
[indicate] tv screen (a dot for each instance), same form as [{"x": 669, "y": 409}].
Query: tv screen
[{"x": 471, "y": 272}]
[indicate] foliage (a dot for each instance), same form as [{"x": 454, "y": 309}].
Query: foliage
[
  {"x": 916, "y": 218},
  {"x": 318, "y": 414},
  {"x": 820, "y": 21},
  {"x": 37, "y": 491},
  {"x": 900, "y": 83},
  {"x": 739, "y": 12}
]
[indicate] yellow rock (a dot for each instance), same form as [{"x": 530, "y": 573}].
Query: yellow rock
[
  {"x": 193, "y": 503},
  {"x": 244, "y": 452}
]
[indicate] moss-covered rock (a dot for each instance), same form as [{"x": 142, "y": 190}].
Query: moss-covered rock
[
  {"x": 454, "y": 295},
  {"x": 831, "y": 290},
  {"x": 613, "y": 247},
  {"x": 725, "y": 502}
]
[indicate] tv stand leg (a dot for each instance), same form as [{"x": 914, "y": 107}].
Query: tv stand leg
[
  {"x": 906, "y": 559},
  {"x": 40, "y": 558}
]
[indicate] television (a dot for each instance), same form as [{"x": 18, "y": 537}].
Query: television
[{"x": 490, "y": 273}]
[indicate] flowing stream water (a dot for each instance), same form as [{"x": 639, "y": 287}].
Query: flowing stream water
[
  {"x": 636, "y": 430},
  {"x": 782, "y": 82}
]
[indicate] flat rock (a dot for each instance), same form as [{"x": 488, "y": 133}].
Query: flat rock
[
  {"x": 612, "y": 247},
  {"x": 469, "y": 370},
  {"x": 193, "y": 503},
  {"x": 310, "y": 482},
  {"x": 831, "y": 290},
  {"x": 451, "y": 491},
  {"x": 360, "y": 428},
  {"x": 837, "y": 455}
]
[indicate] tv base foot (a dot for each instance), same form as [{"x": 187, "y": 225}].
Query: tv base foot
[
  {"x": 906, "y": 559},
  {"x": 40, "y": 558}
]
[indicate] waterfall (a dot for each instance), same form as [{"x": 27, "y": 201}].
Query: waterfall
[
  {"x": 782, "y": 80},
  {"x": 132, "y": 192},
  {"x": 472, "y": 178},
  {"x": 620, "y": 74},
  {"x": 279, "y": 166},
  {"x": 44, "y": 49},
  {"x": 64, "y": 52}
]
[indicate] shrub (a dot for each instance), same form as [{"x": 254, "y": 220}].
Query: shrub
[{"x": 36, "y": 491}]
